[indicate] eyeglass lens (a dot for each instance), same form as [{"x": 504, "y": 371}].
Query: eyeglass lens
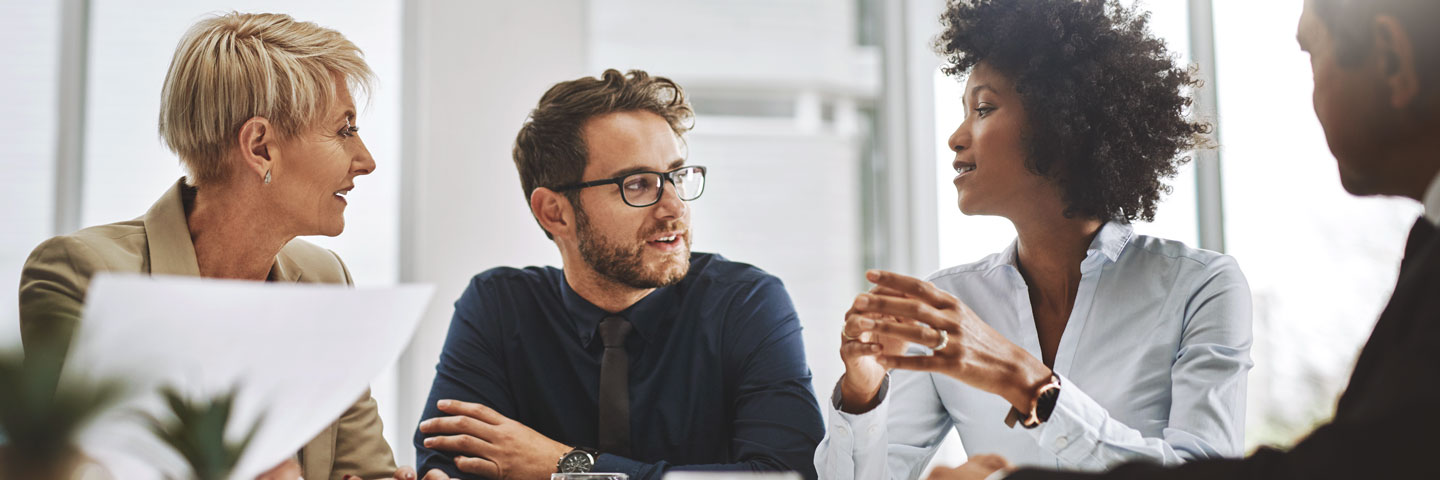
[{"x": 642, "y": 189}]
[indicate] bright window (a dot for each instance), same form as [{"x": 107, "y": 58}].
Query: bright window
[{"x": 1320, "y": 262}]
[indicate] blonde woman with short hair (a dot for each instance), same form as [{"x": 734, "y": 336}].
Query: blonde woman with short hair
[{"x": 259, "y": 109}]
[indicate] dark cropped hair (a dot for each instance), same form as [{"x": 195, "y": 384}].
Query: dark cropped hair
[
  {"x": 550, "y": 151},
  {"x": 1104, "y": 98},
  {"x": 1349, "y": 23}
]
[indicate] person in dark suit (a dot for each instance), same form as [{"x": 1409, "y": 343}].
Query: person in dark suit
[{"x": 1377, "y": 95}]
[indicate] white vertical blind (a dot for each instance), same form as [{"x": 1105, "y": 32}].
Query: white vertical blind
[{"x": 30, "y": 32}]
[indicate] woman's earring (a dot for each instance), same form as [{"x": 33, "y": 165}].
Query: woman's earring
[{"x": 267, "y": 177}]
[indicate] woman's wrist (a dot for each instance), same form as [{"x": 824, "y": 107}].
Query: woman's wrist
[
  {"x": 1028, "y": 376},
  {"x": 856, "y": 398}
]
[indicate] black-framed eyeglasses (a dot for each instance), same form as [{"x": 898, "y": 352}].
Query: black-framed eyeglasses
[{"x": 643, "y": 189}]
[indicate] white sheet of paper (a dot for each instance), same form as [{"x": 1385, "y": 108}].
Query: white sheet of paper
[{"x": 299, "y": 353}]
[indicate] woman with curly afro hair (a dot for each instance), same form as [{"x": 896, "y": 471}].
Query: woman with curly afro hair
[{"x": 1083, "y": 345}]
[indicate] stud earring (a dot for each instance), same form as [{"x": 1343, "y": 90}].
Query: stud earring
[{"x": 267, "y": 177}]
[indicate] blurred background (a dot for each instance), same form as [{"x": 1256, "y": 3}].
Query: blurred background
[{"x": 823, "y": 123}]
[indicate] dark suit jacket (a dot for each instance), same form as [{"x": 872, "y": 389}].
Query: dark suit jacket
[{"x": 1387, "y": 424}]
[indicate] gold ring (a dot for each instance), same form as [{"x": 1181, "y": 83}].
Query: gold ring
[{"x": 846, "y": 335}]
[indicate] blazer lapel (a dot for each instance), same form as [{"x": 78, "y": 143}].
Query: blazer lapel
[
  {"x": 318, "y": 456},
  {"x": 168, "y": 235},
  {"x": 285, "y": 269}
]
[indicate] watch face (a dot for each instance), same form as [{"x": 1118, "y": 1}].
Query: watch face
[{"x": 577, "y": 462}]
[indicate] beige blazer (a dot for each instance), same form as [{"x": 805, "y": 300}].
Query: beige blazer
[{"x": 52, "y": 295}]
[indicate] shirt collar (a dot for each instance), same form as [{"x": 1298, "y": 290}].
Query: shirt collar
[
  {"x": 1432, "y": 200},
  {"x": 647, "y": 316},
  {"x": 1109, "y": 241}
]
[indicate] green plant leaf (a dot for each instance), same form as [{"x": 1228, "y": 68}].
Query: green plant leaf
[
  {"x": 197, "y": 432},
  {"x": 40, "y": 419}
]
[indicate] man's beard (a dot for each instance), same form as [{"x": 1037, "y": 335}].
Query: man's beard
[{"x": 627, "y": 266}]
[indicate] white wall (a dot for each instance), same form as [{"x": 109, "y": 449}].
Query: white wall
[{"x": 793, "y": 42}]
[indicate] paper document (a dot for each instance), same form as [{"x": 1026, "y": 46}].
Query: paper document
[{"x": 300, "y": 353}]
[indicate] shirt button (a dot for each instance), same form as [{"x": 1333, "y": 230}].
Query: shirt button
[
  {"x": 843, "y": 429},
  {"x": 874, "y": 430},
  {"x": 1061, "y": 442}
]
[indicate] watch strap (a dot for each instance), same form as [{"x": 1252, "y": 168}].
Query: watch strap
[
  {"x": 1040, "y": 411},
  {"x": 593, "y": 453}
]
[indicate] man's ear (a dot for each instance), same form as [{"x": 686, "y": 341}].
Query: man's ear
[
  {"x": 1397, "y": 56},
  {"x": 257, "y": 146},
  {"x": 554, "y": 212}
]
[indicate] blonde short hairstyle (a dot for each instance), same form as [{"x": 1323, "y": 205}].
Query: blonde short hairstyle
[{"x": 230, "y": 68}]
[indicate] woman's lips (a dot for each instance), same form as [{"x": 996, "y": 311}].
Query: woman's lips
[
  {"x": 340, "y": 194},
  {"x": 963, "y": 169}
]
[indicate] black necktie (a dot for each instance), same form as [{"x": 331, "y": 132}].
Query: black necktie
[{"x": 615, "y": 388}]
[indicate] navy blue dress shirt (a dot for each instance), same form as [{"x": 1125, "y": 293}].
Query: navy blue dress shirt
[{"x": 718, "y": 379}]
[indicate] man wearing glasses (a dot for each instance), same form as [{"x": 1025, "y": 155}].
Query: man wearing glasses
[{"x": 638, "y": 356}]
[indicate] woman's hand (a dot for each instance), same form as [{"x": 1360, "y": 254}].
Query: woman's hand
[
  {"x": 860, "y": 385},
  {"x": 973, "y": 352},
  {"x": 287, "y": 470},
  {"x": 406, "y": 473}
]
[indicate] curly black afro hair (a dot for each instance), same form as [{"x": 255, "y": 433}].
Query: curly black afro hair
[{"x": 1107, "y": 114}]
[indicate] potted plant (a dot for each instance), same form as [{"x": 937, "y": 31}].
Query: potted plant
[
  {"x": 38, "y": 424},
  {"x": 197, "y": 433}
]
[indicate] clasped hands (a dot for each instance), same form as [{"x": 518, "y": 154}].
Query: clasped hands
[{"x": 900, "y": 310}]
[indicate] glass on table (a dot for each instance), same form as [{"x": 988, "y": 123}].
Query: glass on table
[{"x": 589, "y": 476}]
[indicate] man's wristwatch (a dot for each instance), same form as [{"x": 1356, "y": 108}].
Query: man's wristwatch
[
  {"x": 1043, "y": 407},
  {"x": 579, "y": 460}
]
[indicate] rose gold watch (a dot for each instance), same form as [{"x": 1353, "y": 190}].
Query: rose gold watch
[{"x": 1040, "y": 409}]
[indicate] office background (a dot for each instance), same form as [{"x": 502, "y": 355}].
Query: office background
[{"x": 823, "y": 123}]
